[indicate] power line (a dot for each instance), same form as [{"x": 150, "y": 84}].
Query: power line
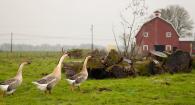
[
  {"x": 21, "y": 37},
  {"x": 58, "y": 34},
  {"x": 31, "y": 37},
  {"x": 51, "y": 34}
]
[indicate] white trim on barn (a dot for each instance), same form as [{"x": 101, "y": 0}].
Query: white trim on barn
[
  {"x": 168, "y": 34},
  {"x": 189, "y": 39},
  {"x": 145, "y": 48},
  {"x": 168, "y": 48}
]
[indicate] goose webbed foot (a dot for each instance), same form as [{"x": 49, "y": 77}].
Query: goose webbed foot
[
  {"x": 4, "y": 94},
  {"x": 49, "y": 91},
  {"x": 72, "y": 88},
  {"x": 45, "y": 91},
  {"x": 79, "y": 88}
]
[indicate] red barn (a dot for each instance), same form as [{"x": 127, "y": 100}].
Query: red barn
[{"x": 158, "y": 34}]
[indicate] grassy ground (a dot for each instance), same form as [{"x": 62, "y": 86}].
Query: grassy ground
[{"x": 178, "y": 89}]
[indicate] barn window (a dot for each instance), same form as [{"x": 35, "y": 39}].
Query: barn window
[
  {"x": 168, "y": 34},
  {"x": 168, "y": 48},
  {"x": 145, "y": 47},
  {"x": 145, "y": 34}
]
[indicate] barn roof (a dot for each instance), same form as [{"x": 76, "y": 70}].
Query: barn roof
[{"x": 160, "y": 19}]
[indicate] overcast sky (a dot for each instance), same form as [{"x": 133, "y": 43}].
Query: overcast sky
[{"x": 67, "y": 21}]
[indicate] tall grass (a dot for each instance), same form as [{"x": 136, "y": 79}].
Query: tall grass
[{"x": 166, "y": 89}]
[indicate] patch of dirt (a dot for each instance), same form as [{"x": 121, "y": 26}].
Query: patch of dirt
[
  {"x": 104, "y": 89},
  {"x": 44, "y": 74},
  {"x": 1, "y": 94},
  {"x": 163, "y": 81}
]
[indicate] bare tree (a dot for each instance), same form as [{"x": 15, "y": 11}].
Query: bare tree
[
  {"x": 131, "y": 19},
  {"x": 179, "y": 17},
  {"x": 116, "y": 39}
]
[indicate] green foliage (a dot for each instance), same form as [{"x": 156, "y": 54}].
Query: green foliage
[
  {"x": 98, "y": 53},
  {"x": 78, "y": 53},
  {"x": 121, "y": 64},
  {"x": 179, "y": 61},
  {"x": 121, "y": 71},
  {"x": 166, "y": 89},
  {"x": 141, "y": 67},
  {"x": 75, "y": 66},
  {"x": 113, "y": 58},
  {"x": 193, "y": 62},
  {"x": 95, "y": 63}
]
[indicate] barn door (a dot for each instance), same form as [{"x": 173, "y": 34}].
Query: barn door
[
  {"x": 174, "y": 48},
  {"x": 160, "y": 48}
]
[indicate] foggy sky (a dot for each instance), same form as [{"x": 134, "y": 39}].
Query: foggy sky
[{"x": 67, "y": 21}]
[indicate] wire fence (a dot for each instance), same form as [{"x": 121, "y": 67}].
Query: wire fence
[
  {"x": 51, "y": 40},
  {"x": 26, "y": 36}
]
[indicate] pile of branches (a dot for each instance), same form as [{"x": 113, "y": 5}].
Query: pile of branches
[
  {"x": 115, "y": 66},
  {"x": 111, "y": 66},
  {"x": 179, "y": 62},
  {"x": 75, "y": 53},
  {"x": 100, "y": 66},
  {"x": 176, "y": 62}
]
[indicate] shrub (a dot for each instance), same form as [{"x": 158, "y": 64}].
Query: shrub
[
  {"x": 179, "y": 62},
  {"x": 155, "y": 68},
  {"x": 96, "y": 69},
  {"x": 121, "y": 70},
  {"x": 98, "y": 53},
  {"x": 76, "y": 53},
  {"x": 113, "y": 58},
  {"x": 193, "y": 62},
  {"x": 71, "y": 68},
  {"x": 141, "y": 67}
]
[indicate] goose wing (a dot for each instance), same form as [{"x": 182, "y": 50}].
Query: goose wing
[
  {"x": 12, "y": 84},
  {"x": 46, "y": 80},
  {"x": 8, "y": 82},
  {"x": 79, "y": 78},
  {"x": 45, "y": 83},
  {"x": 75, "y": 76}
]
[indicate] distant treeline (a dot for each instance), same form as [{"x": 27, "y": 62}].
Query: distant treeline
[{"x": 45, "y": 47}]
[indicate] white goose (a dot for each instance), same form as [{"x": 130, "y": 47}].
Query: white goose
[
  {"x": 9, "y": 86},
  {"x": 77, "y": 79},
  {"x": 48, "y": 82}
]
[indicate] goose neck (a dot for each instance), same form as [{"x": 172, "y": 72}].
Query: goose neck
[
  {"x": 19, "y": 73},
  {"x": 85, "y": 65}
]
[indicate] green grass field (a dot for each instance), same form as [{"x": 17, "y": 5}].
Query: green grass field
[{"x": 166, "y": 89}]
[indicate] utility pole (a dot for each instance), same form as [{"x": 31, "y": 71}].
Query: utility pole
[
  {"x": 62, "y": 50},
  {"x": 92, "y": 37},
  {"x": 11, "y": 42}
]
